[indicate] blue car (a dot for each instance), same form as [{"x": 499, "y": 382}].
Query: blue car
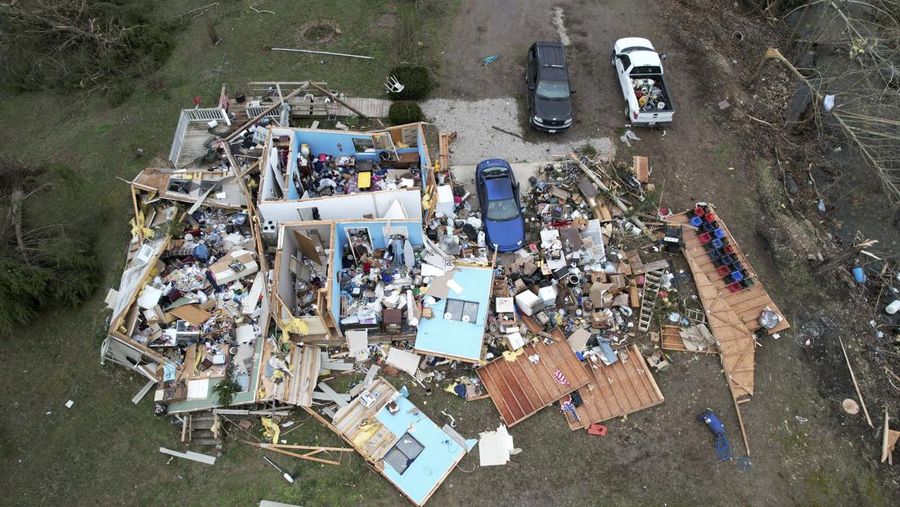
[{"x": 498, "y": 195}]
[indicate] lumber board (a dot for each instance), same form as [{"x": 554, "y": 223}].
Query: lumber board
[
  {"x": 190, "y": 455},
  {"x": 331, "y": 393},
  {"x": 310, "y": 366}
]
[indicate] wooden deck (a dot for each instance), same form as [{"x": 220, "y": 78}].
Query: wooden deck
[
  {"x": 520, "y": 388},
  {"x": 617, "y": 390},
  {"x": 732, "y": 316}
]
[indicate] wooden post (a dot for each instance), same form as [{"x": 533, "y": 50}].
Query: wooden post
[{"x": 855, "y": 385}]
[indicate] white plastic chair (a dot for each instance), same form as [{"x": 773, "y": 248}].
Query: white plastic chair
[{"x": 393, "y": 85}]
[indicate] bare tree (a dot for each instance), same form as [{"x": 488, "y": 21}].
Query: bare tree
[{"x": 858, "y": 70}]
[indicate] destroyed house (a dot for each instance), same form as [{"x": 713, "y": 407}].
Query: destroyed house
[
  {"x": 313, "y": 174},
  {"x": 191, "y": 305},
  {"x": 343, "y": 275}
]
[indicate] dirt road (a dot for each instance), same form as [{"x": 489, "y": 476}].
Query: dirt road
[{"x": 805, "y": 450}]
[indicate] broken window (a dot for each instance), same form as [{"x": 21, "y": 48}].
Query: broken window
[
  {"x": 404, "y": 452},
  {"x": 457, "y": 309},
  {"x": 362, "y": 144}
]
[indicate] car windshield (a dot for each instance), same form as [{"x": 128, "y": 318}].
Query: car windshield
[
  {"x": 504, "y": 209},
  {"x": 553, "y": 90}
]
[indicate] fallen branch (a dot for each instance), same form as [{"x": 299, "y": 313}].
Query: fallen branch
[
  {"x": 254, "y": 9},
  {"x": 309, "y": 51},
  {"x": 15, "y": 211},
  {"x": 508, "y": 132}
]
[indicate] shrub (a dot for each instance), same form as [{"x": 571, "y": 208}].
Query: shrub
[
  {"x": 404, "y": 111},
  {"x": 416, "y": 82},
  {"x": 119, "y": 92}
]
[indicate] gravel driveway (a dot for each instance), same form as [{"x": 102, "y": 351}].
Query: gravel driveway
[{"x": 477, "y": 139}]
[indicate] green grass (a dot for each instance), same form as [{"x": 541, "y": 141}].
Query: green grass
[{"x": 105, "y": 449}]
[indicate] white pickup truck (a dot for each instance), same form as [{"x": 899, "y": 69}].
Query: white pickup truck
[{"x": 639, "y": 67}]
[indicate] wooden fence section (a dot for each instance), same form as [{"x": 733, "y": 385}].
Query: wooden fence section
[
  {"x": 622, "y": 388},
  {"x": 519, "y": 388}
]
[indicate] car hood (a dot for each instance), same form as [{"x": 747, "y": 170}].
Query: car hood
[
  {"x": 549, "y": 109},
  {"x": 507, "y": 233}
]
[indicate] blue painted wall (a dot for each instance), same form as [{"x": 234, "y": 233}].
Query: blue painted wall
[
  {"x": 453, "y": 337},
  {"x": 439, "y": 456},
  {"x": 376, "y": 233}
]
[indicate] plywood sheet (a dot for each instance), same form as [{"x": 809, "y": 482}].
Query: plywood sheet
[
  {"x": 622, "y": 388},
  {"x": 192, "y": 314},
  {"x": 308, "y": 247},
  {"x": 519, "y": 388}
]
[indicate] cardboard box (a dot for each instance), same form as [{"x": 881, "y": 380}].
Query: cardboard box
[
  {"x": 641, "y": 168},
  {"x": 528, "y": 302},
  {"x": 599, "y": 319},
  {"x": 597, "y": 290}
]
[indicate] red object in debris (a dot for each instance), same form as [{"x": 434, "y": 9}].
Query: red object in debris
[
  {"x": 699, "y": 211},
  {"x": 710, "y": 217},
  {"x": 704, "y": 238},
  {"x": 597, "y": 429},
  {"x": 198, "y": 100},
  {"x": 663, "y": 294}
]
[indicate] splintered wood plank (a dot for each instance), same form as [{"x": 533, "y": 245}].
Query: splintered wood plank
[
  {"x": 670, "y": 340},
  {"x": 310, "y": 365},
  {"x": 617, "y": 390}
]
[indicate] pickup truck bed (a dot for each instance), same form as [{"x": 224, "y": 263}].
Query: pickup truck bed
[{"x": 654, "y": 87}]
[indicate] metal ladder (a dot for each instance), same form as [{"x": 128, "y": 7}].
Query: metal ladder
[{"x": 649, "y": 295}]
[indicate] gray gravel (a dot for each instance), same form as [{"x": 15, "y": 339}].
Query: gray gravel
[{"x": 477, "y": 141}]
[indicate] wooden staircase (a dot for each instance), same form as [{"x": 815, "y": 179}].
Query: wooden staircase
[{"x": 201, "y": 429}]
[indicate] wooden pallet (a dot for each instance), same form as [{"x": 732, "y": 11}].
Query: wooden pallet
[
  {"x": 616, "y": 390},
  {"x": 520, "y": 388},
  {"x": 671, "y": 340}
]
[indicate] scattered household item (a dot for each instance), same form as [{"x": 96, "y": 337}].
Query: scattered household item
[
  {"x": 715, "y": 425},
  {"x": 495, "y": 447}
]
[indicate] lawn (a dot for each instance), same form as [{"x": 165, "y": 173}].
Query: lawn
[{"x": 105, "y": 449}]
